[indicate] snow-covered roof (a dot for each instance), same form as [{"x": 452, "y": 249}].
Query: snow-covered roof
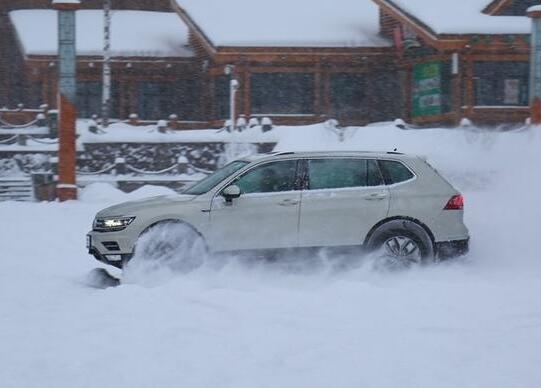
[
  {"x": 133, "y": 33},
  {"x": 534, "y": 8},
  {"x": 287, "y": 23},
  {"x": 66, "y": 2},
  {"x": 462, "y": 17}
]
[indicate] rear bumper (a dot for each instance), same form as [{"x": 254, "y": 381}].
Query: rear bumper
[{"x": 450, "y": 249}]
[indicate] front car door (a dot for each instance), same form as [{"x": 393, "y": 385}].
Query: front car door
[
  {"x": 265, "y": 216},
  {"x": 344, "y": 199}
]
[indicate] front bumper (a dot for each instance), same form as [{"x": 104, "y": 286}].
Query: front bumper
[
  {"x": 113, "y": 248},
  {"x": 123, "y": 258},
  {"x": 450, "y": 249}
]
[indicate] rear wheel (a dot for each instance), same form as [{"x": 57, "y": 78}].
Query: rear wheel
[{"x": 401, "y": 244}]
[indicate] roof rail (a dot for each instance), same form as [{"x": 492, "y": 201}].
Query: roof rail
[{"x": 284, "y": 153}]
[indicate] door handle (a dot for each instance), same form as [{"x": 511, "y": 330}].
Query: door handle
[
  {"x": 375, "y": 197},
  {"x": 288, "y": 202}
]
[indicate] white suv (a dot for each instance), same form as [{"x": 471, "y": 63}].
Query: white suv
[{"x": 390, "y": 202}]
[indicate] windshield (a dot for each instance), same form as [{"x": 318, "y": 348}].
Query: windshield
[{"x": 216, "y": 177}]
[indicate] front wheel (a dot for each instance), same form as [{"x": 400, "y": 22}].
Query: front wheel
[{"x": 172, "y": 245}]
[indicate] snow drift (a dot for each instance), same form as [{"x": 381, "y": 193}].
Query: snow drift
[{"x": 473, "y": 322}]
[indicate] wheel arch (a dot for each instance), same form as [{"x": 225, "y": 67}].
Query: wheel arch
[
  {"x": 381, "y": 223},
  {"x": 176, "y": 221}
]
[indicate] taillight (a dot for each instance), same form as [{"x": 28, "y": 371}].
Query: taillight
[{"x": 455, "y": 203}]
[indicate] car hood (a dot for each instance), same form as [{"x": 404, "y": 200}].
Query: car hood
[{"x": 132, "y": 207}]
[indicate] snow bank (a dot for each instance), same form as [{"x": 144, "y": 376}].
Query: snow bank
[
  {"x": 108, "y": 193},
  {"x": 126, "y": 133},
  {"x": 323, "y": 321},
  {"x": 158, "y": 33}
]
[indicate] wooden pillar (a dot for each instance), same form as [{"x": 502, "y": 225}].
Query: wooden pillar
[
  {"x": 67, "y": 158},
  {"x": 67, "y": 188}
]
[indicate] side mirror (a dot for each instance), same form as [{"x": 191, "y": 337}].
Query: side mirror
[{"x": 230, "y": 193}]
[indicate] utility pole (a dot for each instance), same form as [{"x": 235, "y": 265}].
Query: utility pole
[
  {"x": 67, "y": 92},
  {"x": 106, "y": 94}
]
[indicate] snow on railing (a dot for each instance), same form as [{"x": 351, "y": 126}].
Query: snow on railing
[
  {"x": 42, "y": 141},
  {"x": 9, "y": 140},
  {"x": 119, "y": 167},
  {"x": 40, "y": 120},
  {"x": 138, "y": 171},
  {"x": 6, "y": 125},
  {"x": 106, "y": 169}
]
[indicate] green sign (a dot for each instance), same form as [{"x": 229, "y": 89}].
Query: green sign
[{"x": 427, "y": 89}]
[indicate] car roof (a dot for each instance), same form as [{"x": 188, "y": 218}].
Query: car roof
[{"x": 319, "y": 154}]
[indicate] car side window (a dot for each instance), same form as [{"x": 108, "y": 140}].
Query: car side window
[
  {"x": 342, "y": 173},
  {"x": 269, "y": 178},
  {"x": 394, "y": 172}
]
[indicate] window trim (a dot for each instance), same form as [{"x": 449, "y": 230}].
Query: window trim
[
  {"x": 306, "y": 177},
  {"x": 413, "y": 178},
  {"x": 247, "y": 169},
  {"x": 301, "y": 178}
]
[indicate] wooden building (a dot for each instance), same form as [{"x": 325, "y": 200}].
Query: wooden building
[
  {"x": 358, "y": 61},
  {"x": 297, "y": 62},
  {"x": 469, "y": 58},
  {"x": 154, "y": 70}
]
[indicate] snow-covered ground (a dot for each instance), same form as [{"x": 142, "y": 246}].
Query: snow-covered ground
[{"x": 473, "y": 322}]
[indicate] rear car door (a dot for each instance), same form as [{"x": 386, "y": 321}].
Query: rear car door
[
  {"x": 343, "y": 199},
  {"x": 265, "y": 216}
]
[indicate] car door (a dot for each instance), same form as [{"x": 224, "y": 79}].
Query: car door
[
  {"x": 343, "y": 200},
  {"x": 265, "y": 216}
]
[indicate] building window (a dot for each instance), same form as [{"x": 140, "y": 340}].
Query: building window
[
  {"x": 187, "y": 99},
  {"x": 501, "y": 83},
  {"x": 282, "y": 93},
  {"x": 348, "y": 92},
  {"x": 383, "y": 100},
  {"x": 155, "y": 100},
  {"x": 35, "y": 95},
  {"x": 221, "y": 97},
  {"x": 89, "y": 96},
  {"x": 158, "y": 100}
]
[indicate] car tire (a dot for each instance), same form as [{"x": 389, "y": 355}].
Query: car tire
[
  {"x": 173, "y": 245},
  {"x": 401, "y": 244}
]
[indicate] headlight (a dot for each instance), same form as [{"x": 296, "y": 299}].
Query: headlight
[{"x": 111, "y": 224}]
